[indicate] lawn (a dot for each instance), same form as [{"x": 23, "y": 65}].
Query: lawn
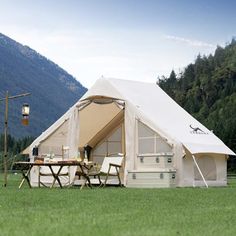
[{"x": 116, "y": 211}]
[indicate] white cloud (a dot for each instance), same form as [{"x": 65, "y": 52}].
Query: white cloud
[{"x": 191, "y": 42}]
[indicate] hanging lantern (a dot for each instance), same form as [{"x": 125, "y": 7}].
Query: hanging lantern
[
  {"x": 25, "y": 114},
  {"x": 25, "y": 109}
]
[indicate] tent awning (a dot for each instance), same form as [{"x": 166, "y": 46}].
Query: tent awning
[{"x": 207, "y": 148}]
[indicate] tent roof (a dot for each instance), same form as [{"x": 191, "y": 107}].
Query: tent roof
[{"x": 160, "y": 109}]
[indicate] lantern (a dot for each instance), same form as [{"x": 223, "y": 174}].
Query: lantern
[
  {"x": 25, "y": 109},
  {"x": 25, "y": 114}
]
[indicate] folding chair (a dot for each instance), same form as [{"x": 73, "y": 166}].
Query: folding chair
[{"x": 110, "y": 167}]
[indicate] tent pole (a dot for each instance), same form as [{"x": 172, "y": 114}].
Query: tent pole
[
  {"x": 123, "y": 138},
  {"x": 199, "y": 171},
  {"x": 83, "y": 106}
]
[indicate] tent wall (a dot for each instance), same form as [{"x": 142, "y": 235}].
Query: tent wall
[
  {"x": 214, "y": 170},
  {"x": 179, "y": 153},
  {"x": 150, "y": 155},
  {"x": 207, "y": 166},
  {"x": 213, "y": 167},
  {"x": 53, "y": 145},
  {"x": 54, "y": 142},
  {"x": 187, "y": 170},
  {"x": 130, "y": 140}
]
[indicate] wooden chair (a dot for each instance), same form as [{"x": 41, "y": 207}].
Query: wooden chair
[{"x": 110, "y": 167}]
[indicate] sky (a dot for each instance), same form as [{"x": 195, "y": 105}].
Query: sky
[{"x": 129, "y": 39}]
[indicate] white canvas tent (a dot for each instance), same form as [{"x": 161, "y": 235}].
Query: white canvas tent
[{"x": 164, "y": 146}]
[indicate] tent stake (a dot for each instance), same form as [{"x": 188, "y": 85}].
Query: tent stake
[{"x": 199, "y": 171}]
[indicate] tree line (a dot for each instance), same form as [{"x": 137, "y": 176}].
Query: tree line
[
  {"x": 207, "y": 90},
  {"x": 15, "y": 147}
]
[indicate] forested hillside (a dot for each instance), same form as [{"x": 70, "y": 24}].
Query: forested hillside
[
  {"x": 207, "y": 90},
  {"x": 52, "y": 89}
]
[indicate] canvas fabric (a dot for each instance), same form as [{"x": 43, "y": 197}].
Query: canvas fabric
[{"x": 149, "y": 104}]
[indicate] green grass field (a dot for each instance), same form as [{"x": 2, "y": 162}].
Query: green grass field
[{"x": 116, "y": 211}]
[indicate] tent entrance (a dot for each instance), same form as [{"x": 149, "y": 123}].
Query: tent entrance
[
  {"x": 109, "y": 146},
  {"x": 102, "y": 128}
]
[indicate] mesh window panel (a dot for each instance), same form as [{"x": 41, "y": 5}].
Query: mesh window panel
[
  {"x": 111, "y": 144},
  {"x": 100, "y": 149},
  {"x": 207, "y": 166},
  {"x": 150, "y": 142},
  {"x": 116, "y": 136},
  {"x": 162, "y": 146},
  {"x": 144, "y": 131},
  {"x": 114, "y": 147},
  {"x": 43, "y": 149},
  {"x": 146, "y": 145}
]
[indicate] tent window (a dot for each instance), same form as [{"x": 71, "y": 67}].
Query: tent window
[
  {"x": 110, "y": 145},
  {"x": 146, "y": 145},
  {"x": 207, "y": 166},
  {"x": 114, "y": 147},
  {"x": 101, "y": 149},
  {"x": 115, "y": 137},
  {"x": 144, "y": 131},
  {"x": 54, "y": 142},
  {"x": 149, "y": 141},
  {"x": 162, "y": 145}
]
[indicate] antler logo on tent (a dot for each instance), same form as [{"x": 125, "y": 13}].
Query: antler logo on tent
[{"x": 196, "y": 130}]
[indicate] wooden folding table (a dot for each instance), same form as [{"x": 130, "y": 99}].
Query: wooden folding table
[{"x": 26, "y": 167}]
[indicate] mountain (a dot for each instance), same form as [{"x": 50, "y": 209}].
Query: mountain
[
  {"x": 207, "y": 90},
  {"x": 52, "y": 89}
]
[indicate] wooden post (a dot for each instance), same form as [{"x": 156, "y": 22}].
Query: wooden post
[
  {"x": 5, "y": 140},
  {"x": 6, "y": 131}
]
